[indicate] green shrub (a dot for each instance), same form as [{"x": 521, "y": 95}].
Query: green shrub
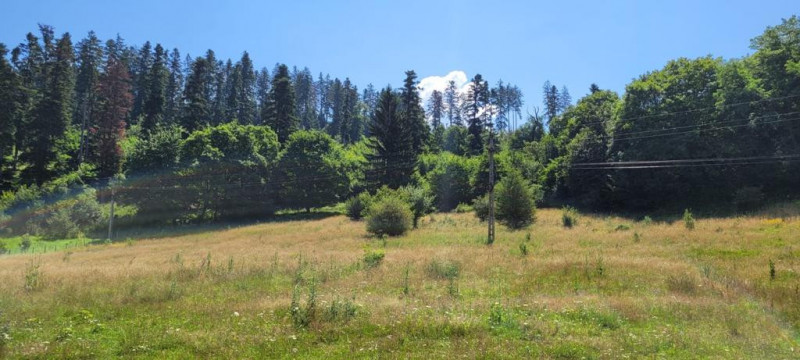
[
  {"x": 523, "y": 249},
  {"x": 622, "y": 227},
  {"x": 26, "y": 243},
  {"x": 771, "y": 269},
  {"x": 647, "y": 220},
  {"x": 463, "y": 208},
  {"x": 373, "y": 258},
  {"x": 3, "y": 248},
  {"x": 340, "y": 311},
  {"x": 481, "y": 207},
  {"x": 69, "y": 218},
  {"x": 450, "y": 181},
  {"x": 439, "y": 269},
  {"x": 515, "y": 204},
  {"x": 688, "y": 219},
  {"x": 356, "y": 206},
  {"x": 389, "y": 216},
  {"x": 569, "y": 217},
  {"x": 420, "y": 201}
]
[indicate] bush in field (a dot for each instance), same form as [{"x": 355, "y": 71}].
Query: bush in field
[
  {"x": 356, "y": 206},
  {"x": 688, "y": 219},
  {"x": 420, "y": 201},
  {"x": 569, "y": 217},
  {"x": 450, "y": 181},
  {"x": 515, "y": 205},
  {"x": 70, "y": 218},
  {"x": 389, "y": 216},
  {"x": 481, "y": 207},
  {"x": 312, "y": 171}
]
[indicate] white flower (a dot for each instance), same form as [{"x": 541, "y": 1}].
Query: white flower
[{"x": 236, "y": 313}]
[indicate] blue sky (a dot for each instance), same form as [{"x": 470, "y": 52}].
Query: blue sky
[{"x": 572, "y": 43}]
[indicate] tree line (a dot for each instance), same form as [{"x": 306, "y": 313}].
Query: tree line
[{"x": 203, "y": 139}]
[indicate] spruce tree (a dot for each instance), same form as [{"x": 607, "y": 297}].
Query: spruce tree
[
  {"x": 452, "y": 100},
  {"x": 393, "y": 158},
  {"x": 412, "y": 112},
  {"x": 174, "y": 89},
  {"x": 11, "y": 106},
  {"x": 245, "y": 91},
  {"x": 280, "y": 110},
  {"x": 436, "y": 108},
  {"x": 262, "y": 93},
  {"x": 196, "y": 113},
  {"x": 477, "y": 101},
  {"x": 155, "y": 102},
  {"x": 141, "y": 73},
  {"x": 53, "y": 112},
  {"x": 552, "y": 101},
  {"x": 90, "y": 55}
]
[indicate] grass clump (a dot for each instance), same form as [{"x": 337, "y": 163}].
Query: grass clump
[
  {"x": 688, "y": 219},
  {"x": 373, "y": 258},
  {"x": 340, "y": 311},
  {"x": 33, "y": 276},
  {"x": 302, "y": 316},
  {"x": 500, "y": 317},
  {"x": 447, "y": 270},
  {"x": 771, "y": 269},
  {"x": 569, "y": 217},
  {"x": 389, "y": 216},
  {"x": 463, "y": 208},
  {"x": 622, "y": 227}
]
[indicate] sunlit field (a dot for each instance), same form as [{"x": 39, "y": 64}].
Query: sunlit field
[{"x": 608, "y": 287}]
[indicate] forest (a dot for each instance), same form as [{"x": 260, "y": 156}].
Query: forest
[{"x": 195, "y": 139}]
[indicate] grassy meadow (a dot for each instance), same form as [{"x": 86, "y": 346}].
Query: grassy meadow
[{"x": 607, "y": 288}]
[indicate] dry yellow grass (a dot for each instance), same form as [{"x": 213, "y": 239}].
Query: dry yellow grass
[{"x": 594, "y": 291}]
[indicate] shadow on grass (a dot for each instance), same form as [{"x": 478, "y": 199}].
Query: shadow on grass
[
  {"x": 670, "y": 213},
  {"x": 133, "y": 231}
]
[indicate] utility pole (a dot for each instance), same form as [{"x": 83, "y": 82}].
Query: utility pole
[
  {"x": 490, "y": 239},
  {"x": 111, "y": 215}
]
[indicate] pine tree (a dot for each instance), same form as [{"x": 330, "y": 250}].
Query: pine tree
[
  {"x": 28, "y": 59},
  {"x": 220, "y": 73},
  {"x": 477, "y": 101},
  {"x": 552, "y": 101},
  {"x": 564, "y": 100},
  {"x": 116, "y": 100},
  {"x": 262, "y": 93},
  {"x": 174, "y": 89},
  {"x": 90, "y": 55},
  {"x": 196, "y": 113},
  {"x": 412, "y": 112},
  {"x": 334, "y": 102},
  {"x": 280, "y": 110},
  {"x": 436, "y": 108},
  {"x": 393, "y": 158},
  {"x": 306, "y": 99},
  {"x": 141, "y": 73},
  {"x": 246, "y": 104},
  {"x": 156, "y": 101},
  {"x": 11, "y": 106},
  {"x": 53, "y": 112},
  {"x": 452, "y": 100}
]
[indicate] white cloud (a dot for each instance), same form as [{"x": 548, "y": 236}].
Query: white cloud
[{"x": 431, "y": 83}]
